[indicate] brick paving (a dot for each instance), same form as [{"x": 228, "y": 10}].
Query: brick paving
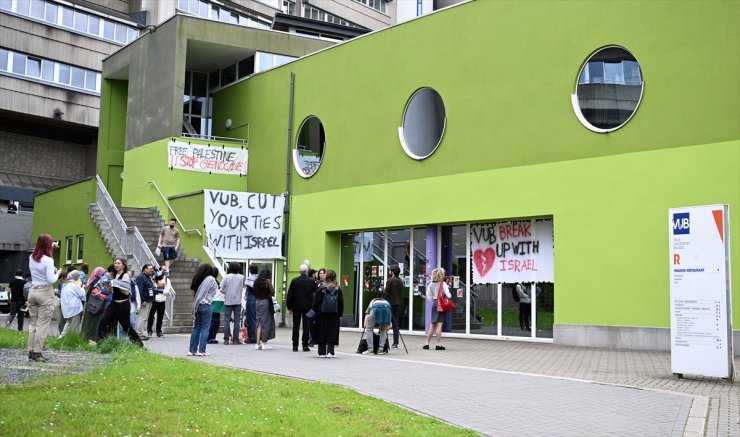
[{"x": 509, "y": 388}]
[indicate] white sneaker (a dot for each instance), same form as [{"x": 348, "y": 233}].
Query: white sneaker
[
  {"x": 257, "y": 347},
  {"x": 266, "y": 346},
  {"x": 331, "y": 356},
  {"x": 322, "y": 356}
]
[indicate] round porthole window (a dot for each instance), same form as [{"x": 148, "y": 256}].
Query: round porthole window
[
  {"x": 609, "y": 89},
  {"x": 423, "y": 125},
  {"x": 309, "y": 147}
]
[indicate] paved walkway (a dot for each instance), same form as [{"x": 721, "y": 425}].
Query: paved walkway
[{"x": 509, "y": 388}]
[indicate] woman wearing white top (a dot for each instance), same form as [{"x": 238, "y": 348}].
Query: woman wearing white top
[
  {"x": 438, "y": 317},
  {"x": 41, "y": 296},
  {"x": 71, "y": 301}
]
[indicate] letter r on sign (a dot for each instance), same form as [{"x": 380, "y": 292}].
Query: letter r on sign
[{"x": 676, "y": 259}]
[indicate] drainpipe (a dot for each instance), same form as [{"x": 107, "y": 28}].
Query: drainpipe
[{"x": 286, "y": 209}]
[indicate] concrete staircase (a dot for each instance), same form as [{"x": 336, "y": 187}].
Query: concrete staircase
[{"x": 150, "y": 222}]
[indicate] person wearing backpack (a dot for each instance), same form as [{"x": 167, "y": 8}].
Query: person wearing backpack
[
  {"x": 329, "y": 307},
  {"x": 299, "y": 300}
]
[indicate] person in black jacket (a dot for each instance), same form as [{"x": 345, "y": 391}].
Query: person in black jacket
[
  {"x": 393, "y": 289},
  {"x": 17, "y": 299},
  {"x": 299, "y": 301},
  {"x": 328, "y": 317}
]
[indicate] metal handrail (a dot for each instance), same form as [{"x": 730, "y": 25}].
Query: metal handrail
[
  {"x": 209, "y": 247},
  {"x": 169, "y": 207},
  {"x": 129, "y": 239},
  {"x": 213, "y": 138}
]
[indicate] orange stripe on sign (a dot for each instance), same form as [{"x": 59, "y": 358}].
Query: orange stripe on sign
[{"x": 717, "y": 213}]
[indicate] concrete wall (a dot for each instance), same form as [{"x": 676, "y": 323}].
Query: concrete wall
[{"x": 23, "y": 154}]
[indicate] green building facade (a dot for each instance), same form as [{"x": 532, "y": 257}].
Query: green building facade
[{"x": 587, "y": 119}]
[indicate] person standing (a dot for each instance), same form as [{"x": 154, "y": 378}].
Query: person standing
[
  {"x": 84, "y": 270},
  {"x": 437, "y": 286},
  {"x": 169, "y": 242},
  {"x": 90, "y": 320},
  {"x": 249, "y": 307},
  {"x": 71, "y": 302},
  {"x": 17, "y": 300},
  {"x": 204, "y": 288},
  {"x": 329, "y": 307},
  {"x": 217, "y": 308},
  {"x": 146, "y": 294},
  {"x": 264, "y": 291},
  {"x": 41, "y": 296},
  {"x": 119, "y": 309},
  {"x": 161, "y": 291},
  {"x": 525, "y": 306},
  {"x": 300, "y": 299},
  {"x": 393, "y": 289},
  {"x": 232, "y": 287},
  {"x": 12, "y": 207}
]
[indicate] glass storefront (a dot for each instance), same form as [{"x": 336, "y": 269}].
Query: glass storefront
[{"x": 483, "y": 263}]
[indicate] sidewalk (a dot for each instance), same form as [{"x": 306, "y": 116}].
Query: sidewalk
[{"x": 508, "y": 388}]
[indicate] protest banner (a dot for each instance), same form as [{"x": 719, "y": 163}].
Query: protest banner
[
  {"x": 208, "y": 159},
  {"x": 244, "y": 225}
]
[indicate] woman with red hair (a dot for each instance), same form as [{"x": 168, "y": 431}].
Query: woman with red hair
[{"x": 41, "y": 296}]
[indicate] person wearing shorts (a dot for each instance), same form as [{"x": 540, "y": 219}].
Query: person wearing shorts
[{"x": 169, "y": 241}]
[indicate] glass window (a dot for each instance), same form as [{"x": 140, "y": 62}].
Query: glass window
[
  {"x": 68, "y": 254},
  {"x": 609, "y": 89},
  {"x": 64, "y": 74},
  {"x": 33, "y": 67},
  {"x": 91, "y": 79},
  {"x": 80, "y": 247},
  {"x": 19, "y": 63},
  {"x": 22, "y": 6},
  {"x": 228, "y": 74},
  {"x": 132, "y": 34},
  {"x": 47, "y": 70},
  {"x": 203, "y": 9},
  {"x": 309, "y": 147},
  {"x": 246, "y": 67},
  {"x": 108, "y": 30},
  {"x": 78, "y": 78},
  {"x": 68, "y": 17},
  {"x": 50, "y": 15},
  {"x": 120, "y": 33},
  {"x": 423, "y": 124},
  {"x": 6, "y": 4},
  {"x": 93, "y": 25},
  {"x": 3, "y": 60},
  {"x": 182, "y": 5},
  {"x": 37, "y": 9},
  {"x": 80, "y": 22}
]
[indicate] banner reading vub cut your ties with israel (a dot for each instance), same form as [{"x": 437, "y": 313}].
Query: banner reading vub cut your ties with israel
[{"x": 244, "y": 225}]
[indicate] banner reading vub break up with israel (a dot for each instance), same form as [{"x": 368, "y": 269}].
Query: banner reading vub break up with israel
[
  {"x": 208, "y": 159},
  {"x": 244, "y": 225},
  {"x": 512, "y": 251}
]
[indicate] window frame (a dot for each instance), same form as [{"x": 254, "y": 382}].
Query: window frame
[
  {"x": 574, "y": 97},
  {"x": 68, "y": 250},
  {"x": 80, "y": 247}
]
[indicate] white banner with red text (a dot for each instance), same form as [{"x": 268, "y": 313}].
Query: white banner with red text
[{"x": 207, "y": 159}]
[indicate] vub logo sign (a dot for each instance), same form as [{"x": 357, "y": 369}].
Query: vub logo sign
[{"x": 681, "y": 223}]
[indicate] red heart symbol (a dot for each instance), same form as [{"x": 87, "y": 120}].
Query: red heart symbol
[{"x": 484, "y": 260}]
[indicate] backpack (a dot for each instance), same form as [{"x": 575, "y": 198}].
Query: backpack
[
  {"x": 330, "y": 304},
  {"x": 514, "y": 294}
]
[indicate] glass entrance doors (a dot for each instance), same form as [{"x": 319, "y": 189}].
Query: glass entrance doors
[{"x": 483, "y": 262}]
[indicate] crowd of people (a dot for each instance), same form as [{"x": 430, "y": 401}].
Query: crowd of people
[{"x": 115, "y": 302}]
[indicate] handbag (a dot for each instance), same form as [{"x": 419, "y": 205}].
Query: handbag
[
  {"x": 444, "y": 303},
  {"x": 243, "y": 334},
  {"x": 275, "y": 305},
  {"x": 96, "y": 302}
]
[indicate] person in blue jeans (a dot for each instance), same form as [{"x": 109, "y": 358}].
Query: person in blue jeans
[
  {"x": 249, "y": 309},
  {"x": 204, "y": 287}
]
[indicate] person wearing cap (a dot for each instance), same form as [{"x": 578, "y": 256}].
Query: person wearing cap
[
  {"x": 71, "y": 303},
  {"x": 300, "y": 299}
]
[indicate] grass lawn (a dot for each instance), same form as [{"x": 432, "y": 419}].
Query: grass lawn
[
  {"x": 141, "y": 393},
  {"x": 510, "y": 317}
]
